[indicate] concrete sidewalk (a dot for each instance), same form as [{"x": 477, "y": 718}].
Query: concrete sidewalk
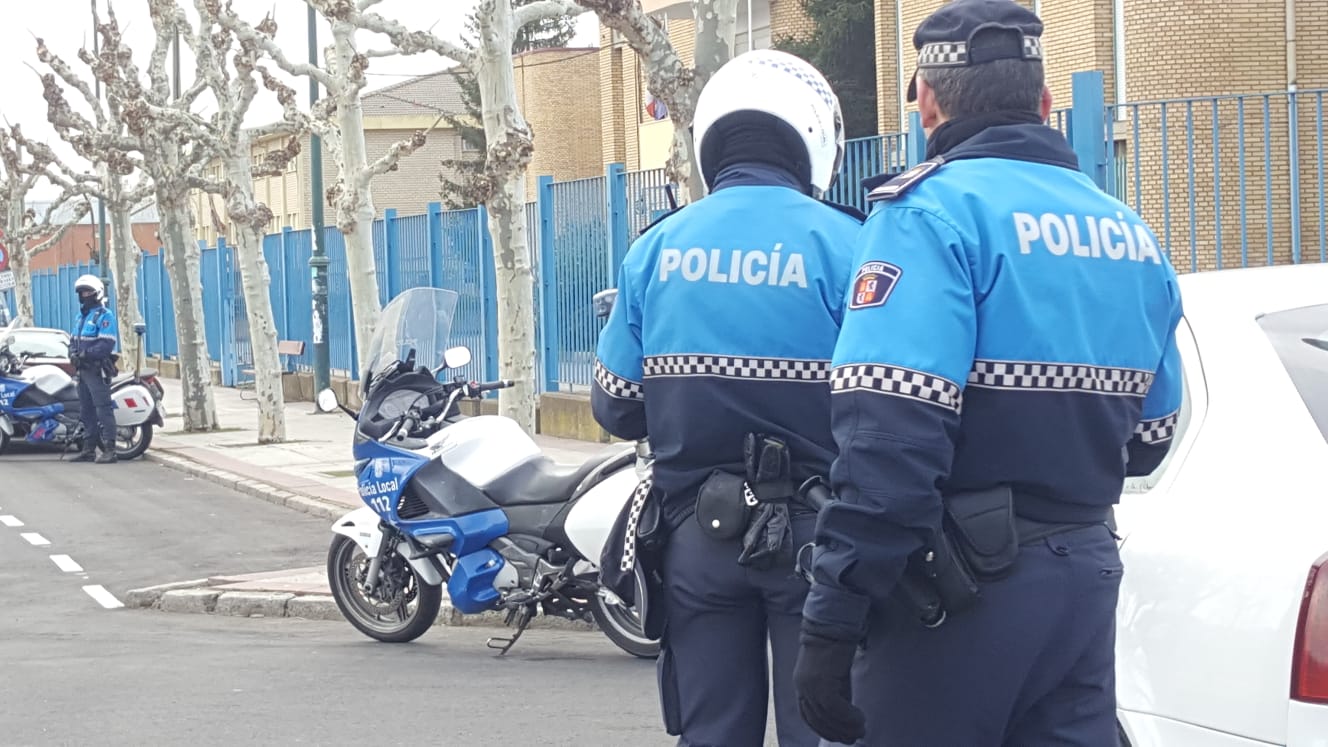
[{"x": 310, "y": 472}]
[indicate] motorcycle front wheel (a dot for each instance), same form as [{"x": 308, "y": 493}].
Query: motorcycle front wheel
[{"x": 387, "y": 614}]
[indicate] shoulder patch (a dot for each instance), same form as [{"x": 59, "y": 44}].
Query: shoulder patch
[
  {"x": 848, "y": 210},
  {"x": 905, "y": 181},
  {"x": 873, "y": 284},
  {"x": 105, "y": 323}
]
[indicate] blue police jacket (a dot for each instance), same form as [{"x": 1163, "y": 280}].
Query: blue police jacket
[
  {"x": 96, "y": 334},
  {"x": 725, "y": 321},
  {"x": 1008, "y": 323}
]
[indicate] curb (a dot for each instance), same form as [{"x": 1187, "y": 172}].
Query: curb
[
  {"x": 319, "y": 507},
  {"x": 198, "y": 598}
]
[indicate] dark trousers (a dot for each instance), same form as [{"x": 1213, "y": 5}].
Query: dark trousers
[
  {"x": 1032, "y": 664},
  {"x": 95, "y": 410},
  {"x": 720, "y": 618}
]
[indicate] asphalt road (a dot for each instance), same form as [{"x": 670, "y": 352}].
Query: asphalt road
[{"x": 79, "y": 672}]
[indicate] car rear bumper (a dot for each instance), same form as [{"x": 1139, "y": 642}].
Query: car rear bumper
[
  {"x": 1307, "y": 726},
  {"x": 1147, "y": 730}
]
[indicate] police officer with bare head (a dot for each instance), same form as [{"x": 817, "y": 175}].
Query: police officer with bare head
[
  {"x": 1007, "y": 359},
  {"x": 718, "y": 347}
]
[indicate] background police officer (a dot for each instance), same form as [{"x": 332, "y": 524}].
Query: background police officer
[
  {"x": 726, "y": 316},
  {"x": 1009, "y": 340},
  {"x": 95, "y": 338}
]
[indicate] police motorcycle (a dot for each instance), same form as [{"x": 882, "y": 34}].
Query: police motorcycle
[
  {"x": 469, "y": 502},
  {"x": 40, "y": 403}
]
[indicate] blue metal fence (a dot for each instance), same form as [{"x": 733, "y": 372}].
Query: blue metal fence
[{"x": 1224, "y": 180}]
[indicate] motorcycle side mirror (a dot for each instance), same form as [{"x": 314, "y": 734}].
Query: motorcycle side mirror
[
  {"x": 140, "y": 328},
  {"x": 603, "y": 301},
  {"x": 457, "y": 357},
  {"x": 327, "y": 400}
]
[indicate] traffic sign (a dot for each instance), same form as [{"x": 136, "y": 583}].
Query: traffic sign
[
  {"x": 4, "y": 258},
  {"x": 6, "y": 280}
]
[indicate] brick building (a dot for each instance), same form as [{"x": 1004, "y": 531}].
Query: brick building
[
  {"x": 557, "y": 88},
  {"x": 81, "y": 242},
  {"x": 636, "y": 130},
  {"x": 1216, "y": 144},
  {"x": 559, "y": 94}
]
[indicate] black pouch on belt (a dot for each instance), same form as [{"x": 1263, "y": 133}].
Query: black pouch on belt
[
  {"x": 722, "y": 507},
  {"x": 982, "y": 525}
]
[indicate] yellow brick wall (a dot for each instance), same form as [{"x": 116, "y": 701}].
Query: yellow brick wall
[
  {"x": 559, "y": 94},
  {"x": 787, "y": 18},
  {"x": 613, "y": 133},
  {"x": 629, "y": 118}
]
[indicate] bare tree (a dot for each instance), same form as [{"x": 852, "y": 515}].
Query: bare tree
[
  {"x": 510, "y": 145},
  {"x": 24, "y": 165},
  {"x": 159, "y": 127},
  {"x": 339, "y": 120},
  {"x": 217, "y": 53},
  {"x": 671, "y": 81}
]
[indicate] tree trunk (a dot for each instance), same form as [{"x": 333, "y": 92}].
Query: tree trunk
[
  {"x": 716, "y": 27},
  {"x": 510, "y": 149},
  {"x": 125, "y": 258},
  {"x": 247, "y": 218},
  {"x": 18, "y": 264},
  {"x": 183, "y": 262},
  {"x": 355, "y": 208}
]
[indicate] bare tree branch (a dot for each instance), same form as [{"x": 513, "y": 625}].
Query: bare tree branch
[{"x": 544, "y": 10}]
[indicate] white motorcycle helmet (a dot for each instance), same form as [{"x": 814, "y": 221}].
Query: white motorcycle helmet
[
  {"x": 789, "y": 89},
  {"x": 92, "y": 283}
]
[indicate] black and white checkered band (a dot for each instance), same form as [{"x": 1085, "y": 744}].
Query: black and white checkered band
[
  {"x": 897, "y": 382},
  {"x": 615, "y": 385},
  {"x": 955, "y": 54},
  {"x": 733, "y": 367},
  {"x": 1157, "y": 431},
  {"x": 1065, "y": 377}
]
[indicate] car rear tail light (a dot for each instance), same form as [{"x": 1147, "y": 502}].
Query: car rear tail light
[{"x": 1309, "y": 663}]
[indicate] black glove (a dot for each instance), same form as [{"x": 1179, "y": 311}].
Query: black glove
[
  {"x": 769, "y": 538},
  {"x": 822, "y": 679}
]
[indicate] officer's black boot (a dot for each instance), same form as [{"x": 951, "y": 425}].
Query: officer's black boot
[
  {"x": 107, "y": 454},
  {"x": 87, "y": 453}
]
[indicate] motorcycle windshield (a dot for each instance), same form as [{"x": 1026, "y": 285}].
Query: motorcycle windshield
[{"x": 418, "y": 322}]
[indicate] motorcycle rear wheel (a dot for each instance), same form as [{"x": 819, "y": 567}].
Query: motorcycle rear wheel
[
  {"x": 126, "y": 449},
  {"x": 624, "y": 625},
  {"x": 345, "y": 562}
]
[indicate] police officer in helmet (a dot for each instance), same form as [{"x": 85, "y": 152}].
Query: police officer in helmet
[
  {"x": 1007, "y": 359},
  {"x": 718, "y": 346},
  {"x": 91, "y": 350}
]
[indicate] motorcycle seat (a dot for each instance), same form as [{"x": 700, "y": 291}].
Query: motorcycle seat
[
  {"x": 537, "y": 481},
  {"x": 127, "y": 377}
]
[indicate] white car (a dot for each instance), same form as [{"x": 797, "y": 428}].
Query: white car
[{"x": 1222, "y": 625}]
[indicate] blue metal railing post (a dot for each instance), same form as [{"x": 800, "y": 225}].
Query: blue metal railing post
[
  {"x": 392, "y": 252},
  {"x": 435, "y": 229},
  {"x": 285, "y": 285},
  {"x": 490, "y": 296},
  {"x": 548, "y": 285},
  {"x": 1293, "y": 157},
  {"x": 615, "y": 183},
  {"x": 917, "y": 140},
  {"x": 1088, "y": 131},
  {"x": 225, "y": 314}
]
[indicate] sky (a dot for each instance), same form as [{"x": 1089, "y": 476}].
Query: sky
[{"x": 66, "y": 26}]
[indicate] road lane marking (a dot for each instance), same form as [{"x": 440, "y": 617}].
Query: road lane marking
[
  {"x": 66, "y": 564},
  {"x": 103, "y": 597},
  {"x": 10, "y": 521},
  {"x": 35, "y": 539}
]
